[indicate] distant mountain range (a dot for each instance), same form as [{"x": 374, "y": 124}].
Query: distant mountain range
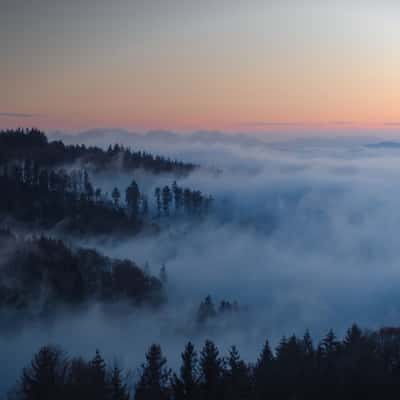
[
  {"x": 384, "y": 145},
  {"x": 104, "y": 137}
]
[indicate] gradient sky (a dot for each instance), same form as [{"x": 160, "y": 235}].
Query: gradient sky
[{"x": 253, "y": 65}]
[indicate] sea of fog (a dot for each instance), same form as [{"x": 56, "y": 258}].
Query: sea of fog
[{"x": 303, "y": 234}]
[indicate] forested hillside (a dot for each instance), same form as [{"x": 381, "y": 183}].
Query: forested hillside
[
  {"x": 39, "y": 274},
  {"x": 40, "y": 189}
]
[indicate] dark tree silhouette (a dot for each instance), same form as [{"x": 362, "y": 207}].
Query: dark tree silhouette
[
  {"x": 211, "y": 372},
  {"x": 144, "y": 205},
  {"x": 186, "y": 385},
  {"x": 263, "y": 373},
  {"x": 154, "y": 379},
  {"x": 178, "y": 196},
  {"x": 45, "y": 378},
  {"x": 132, "y": 198},
  {"x": 206, "y": 310},
  {"x": 157, "y": 194},
  {"x": 99, "y": 384},
  {"x": 118, "y": 390},
  {"x": 116, "y": 195},
  {"x": 166, "y": 199},
  {"x": 237, "y": 384}
]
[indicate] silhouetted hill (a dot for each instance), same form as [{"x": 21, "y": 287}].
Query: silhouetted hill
[
  {"x": 33, "y": 145},
  {"x": 38, "y": 274}
]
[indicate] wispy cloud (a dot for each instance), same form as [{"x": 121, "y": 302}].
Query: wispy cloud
[
  {"x": 341, "y": 122},
  {"x": 255, "y": 124},
  {"x": 16, "y": 115},
  {"x": 397, "y": 123},
  {"x": 269, "y": 123}
]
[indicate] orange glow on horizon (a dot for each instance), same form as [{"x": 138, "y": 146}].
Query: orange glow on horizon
[{"x": 261, "y": 67}]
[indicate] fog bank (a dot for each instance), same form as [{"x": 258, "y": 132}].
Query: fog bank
[{"x": 303, "y": 235}]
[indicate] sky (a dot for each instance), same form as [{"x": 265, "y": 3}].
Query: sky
[{"x": 302, "y": 66}]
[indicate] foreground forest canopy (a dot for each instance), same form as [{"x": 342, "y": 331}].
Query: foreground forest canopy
[{"x": 297, "y": 369}]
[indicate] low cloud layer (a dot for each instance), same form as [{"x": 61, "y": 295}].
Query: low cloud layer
[{"x": 304, "y": 235}]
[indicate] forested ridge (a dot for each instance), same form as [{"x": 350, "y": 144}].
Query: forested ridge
[
  {"x": 33, "y": 144},
  {"x": 43, "y": 193},
  {"x": 296, "y": 369},
  {"x": 39, "y": 189},
  {"x": 40, "y": 273}
]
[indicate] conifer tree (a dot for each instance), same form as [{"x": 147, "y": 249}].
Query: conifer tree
[
  {"x": 211, "y": 372},
  {"x": 116, "y": 196},
  {"x": 44, "y": 379},
  {"x": 263, "y": 372},
  {"x": 154, "y": 379},
  {"x": 98, "y": 379},
  {"x": 186, "y": 386},
  {"x": 118, "y": 390},
  {"x": 238, "y": 385},
  {"x": 206, "y": 310},
  {"x": 166, "y": 199},
  {"x": 157, "y": 194},
  {"x": 132, "y": 198}
]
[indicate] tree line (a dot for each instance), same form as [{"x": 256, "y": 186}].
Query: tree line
[
  {"x": 297, "y": 369},
  {"x": 33, "y": 144},
  {"x": 181, "y": 201},
  {"x": 48, "y": 197}
]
